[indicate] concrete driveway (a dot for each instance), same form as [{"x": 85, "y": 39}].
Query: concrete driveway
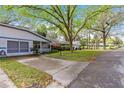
[{"x": 62, "y": 71}]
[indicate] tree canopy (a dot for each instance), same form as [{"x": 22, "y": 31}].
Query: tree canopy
[{"x": 67, "y": 20}]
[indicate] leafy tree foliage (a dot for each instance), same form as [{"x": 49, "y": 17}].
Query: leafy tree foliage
[
  {"x": 69, "y": 19},
  {"x": 7, "y": 15},
  {"x": 42, "y": 30},
  {"x": 105, "y": 22}
]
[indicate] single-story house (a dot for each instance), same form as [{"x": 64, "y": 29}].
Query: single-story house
[{"x": 15, "y": 41}]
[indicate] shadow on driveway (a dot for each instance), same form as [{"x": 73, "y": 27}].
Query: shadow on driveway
[{"x": 62, "y": 71}]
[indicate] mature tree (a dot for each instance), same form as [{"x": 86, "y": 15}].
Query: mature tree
[
  {"x": 69, "y": 19},
  {"x": 116, "y": 41},
  {"x": 52, "y": 33},
  {"x": 42, "y": 30},
  {"x": 105, "y": 22},
  {"x": 7, "y": 15}
]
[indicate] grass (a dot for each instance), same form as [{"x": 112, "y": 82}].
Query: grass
[
  {"x": 79, "y": 55},
  {"x": 24, "y": 76}
]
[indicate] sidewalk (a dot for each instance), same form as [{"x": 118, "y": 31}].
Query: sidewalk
[{"x": 5, "y": 82}]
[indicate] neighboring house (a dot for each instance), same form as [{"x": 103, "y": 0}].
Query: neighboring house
[
  {"x": 107, "y": 44},
  {"x": 65, "y": 45},
  {"x": 55, "y": 45},
  {"x": 76, "y": 45},
  {"x": 16, "y": 41}
]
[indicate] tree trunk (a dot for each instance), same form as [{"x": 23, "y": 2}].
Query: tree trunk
[
  {"x": 71, "y": 46},
  {"x": 87, "y": 41},
  {"x": 104, "y": 41},
  {"x": 97, "y": 44},
  {"x": 90, "y": 45}
]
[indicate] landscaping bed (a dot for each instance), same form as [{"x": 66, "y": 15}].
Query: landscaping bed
[
  {"x": 24, "y": 76},
  {"x": 78, "y": 55}
]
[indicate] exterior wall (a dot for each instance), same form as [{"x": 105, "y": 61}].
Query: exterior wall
[
  {"x": 42, "y": 50},
  {"x": 10, "y": 34},
  {"x": 3, "y": 46}
]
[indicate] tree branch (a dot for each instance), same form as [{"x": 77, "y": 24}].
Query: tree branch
[
  {"x": 51, "y": 22},
  {"x": 36, "y": 8},
  {"x": 73, "y": 11},
  {"x": 87, "y": 18},
  {"x": 58, "y": 11},
  {"x": 97, "y": 29}
]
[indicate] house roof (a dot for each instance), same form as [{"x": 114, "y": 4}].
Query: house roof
[{"x": 10, "y": 26}]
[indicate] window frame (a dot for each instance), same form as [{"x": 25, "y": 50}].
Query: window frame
[
  {"x": 23, "y": 48},
  {"x": 18, "y": 47},
  {"x": 10, "y": 49}
]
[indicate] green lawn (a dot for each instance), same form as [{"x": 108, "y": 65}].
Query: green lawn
[
  {"x": 79, "y": 55},
  {"x": 24, "y": 76}
]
